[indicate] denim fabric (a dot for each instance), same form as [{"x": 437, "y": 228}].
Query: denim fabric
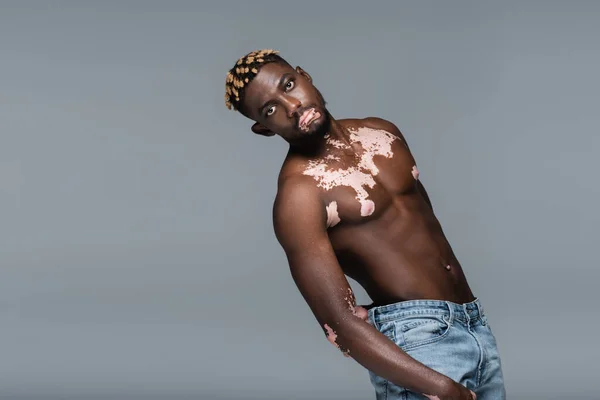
[{"x": 453, "y": 339}]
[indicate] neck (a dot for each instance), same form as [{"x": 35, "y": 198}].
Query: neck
[{"x": 315, "y": 146}]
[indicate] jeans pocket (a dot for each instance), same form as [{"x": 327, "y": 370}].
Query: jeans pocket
[
  {"x": 416, "y": 331},
  {"x": 389, "y": 330}
]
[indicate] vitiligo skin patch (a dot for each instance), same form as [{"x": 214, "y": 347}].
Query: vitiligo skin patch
[
  {"x": 357, "y": 311},
  {"x": 332, "y": 215},
  {"x": 351, "y": 300},
  {"x": 415, "y": 172},
  {"x": 359, "y": 177},
  {"x": 331, "y": 336}
]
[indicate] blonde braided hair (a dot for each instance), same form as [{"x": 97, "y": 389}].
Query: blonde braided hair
[{"x": 245, "y": 69}]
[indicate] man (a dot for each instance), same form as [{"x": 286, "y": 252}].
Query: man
[{"x": 350, "y": 203}]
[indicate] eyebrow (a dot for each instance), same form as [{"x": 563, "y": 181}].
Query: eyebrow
[{"x": 281, "y": 80}]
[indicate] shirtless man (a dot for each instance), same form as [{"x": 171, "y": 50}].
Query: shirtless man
[{"x": 350, "y": 203}]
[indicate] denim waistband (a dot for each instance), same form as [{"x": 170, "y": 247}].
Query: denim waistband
[{"x": 465, "y": 312}]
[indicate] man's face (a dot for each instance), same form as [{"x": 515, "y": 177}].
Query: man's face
[{"x": 283, "y": 101}]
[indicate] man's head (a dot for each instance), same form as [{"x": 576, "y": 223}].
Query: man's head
[{"x": 281, "y": 99}]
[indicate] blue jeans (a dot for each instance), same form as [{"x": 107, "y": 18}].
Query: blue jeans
[{"x": 453, "y": 339}]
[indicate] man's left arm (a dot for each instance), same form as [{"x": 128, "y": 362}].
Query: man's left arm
[{"x": 424, "y": 193}]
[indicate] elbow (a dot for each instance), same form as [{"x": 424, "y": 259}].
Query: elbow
[
  {"x": 335, "y": 335},
  {"x": 332, "y": 335},
  {"x": 339, "y": 332}
]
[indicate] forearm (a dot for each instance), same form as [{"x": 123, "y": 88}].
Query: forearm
[{"x": 377, "y": 353}]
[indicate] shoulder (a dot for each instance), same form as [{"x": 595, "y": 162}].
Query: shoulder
[
  {"x": 375, "y": 123},
  {"x": 294, "y": 186},
  {"x": 384, "y": 124},
  {"x": 298, "y": 212},
  {"x": 298, "y": 199}
]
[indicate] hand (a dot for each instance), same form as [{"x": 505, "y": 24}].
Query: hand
[
  {"x": 361, "y": 312},
  {"x": 454, "y": 391}
]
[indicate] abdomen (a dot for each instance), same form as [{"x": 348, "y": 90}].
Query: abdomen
[{"x": 401, "y": 255}]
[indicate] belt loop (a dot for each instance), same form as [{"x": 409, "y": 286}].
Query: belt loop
[
  {"x": 451, "y": 312},
  {"x": 464, "y": 306},
  {"x": 372, "y": 319},
  {"x": 481, "y": 313}
]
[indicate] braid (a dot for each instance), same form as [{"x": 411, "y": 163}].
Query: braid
[{"x": 245, "y": 69}]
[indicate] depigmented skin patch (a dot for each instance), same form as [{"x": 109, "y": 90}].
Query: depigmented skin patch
[
  {"x": 336, "y": 143},
  {"x": 415, "y": 172},
  {"x": 432, "y": 397},
  {"x": 331, "y": 335},
  {"x": 357, "y": 311},
  {"x": 350, "y": 299},
  {"x": 361, "y": 313},
  {"x": 374, "y": 142},
  {"x": 332, "y": 215},
  {"x": 366, "y": 208}
]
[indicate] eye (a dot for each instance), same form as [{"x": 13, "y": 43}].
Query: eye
[
  {"x": 289, "y": 85},
  {"x": 270, "y": 111}
]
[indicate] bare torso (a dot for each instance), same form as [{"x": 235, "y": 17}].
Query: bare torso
[{"x": 382, "y": 228}]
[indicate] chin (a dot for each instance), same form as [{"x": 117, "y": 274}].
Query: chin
[{"x": 321, "y": 126}]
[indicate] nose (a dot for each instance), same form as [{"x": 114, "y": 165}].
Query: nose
[{"x": 292, "y": 105}]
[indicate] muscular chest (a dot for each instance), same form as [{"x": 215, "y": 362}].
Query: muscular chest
[{"x": 360, "y": 177}]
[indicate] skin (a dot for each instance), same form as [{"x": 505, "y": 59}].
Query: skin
[{"x": 350, "y": 203}]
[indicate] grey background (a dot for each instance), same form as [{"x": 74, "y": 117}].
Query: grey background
[{"x": 137, "y": 254}]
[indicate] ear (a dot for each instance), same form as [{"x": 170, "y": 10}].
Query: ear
[
  {"x": 262, "y": 130},
  {"x": 304, "y": 74}
]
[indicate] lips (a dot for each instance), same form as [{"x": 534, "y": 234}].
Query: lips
[{"x": 307, "y": 118}]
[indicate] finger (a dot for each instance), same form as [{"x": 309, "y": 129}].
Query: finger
[{"x": 473, "y": 395}]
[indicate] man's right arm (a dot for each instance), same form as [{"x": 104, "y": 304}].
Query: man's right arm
[{"x": 300, "y": 226}]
